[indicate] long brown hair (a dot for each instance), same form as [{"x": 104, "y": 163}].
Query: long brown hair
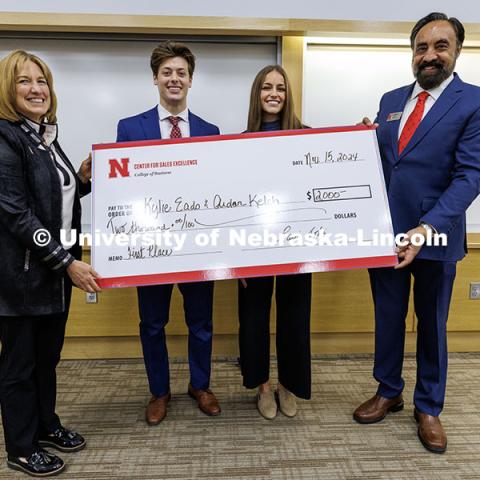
[
  {"x": 288, "y": 119},
  {"x": 9, "y": 67}
]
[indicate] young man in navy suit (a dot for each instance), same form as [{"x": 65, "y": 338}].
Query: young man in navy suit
[
  {"x": 429, "y": 138},
  {"x": 172, "y": 67}
]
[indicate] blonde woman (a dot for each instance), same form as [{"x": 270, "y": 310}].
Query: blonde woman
[{"x": 39, "y": 192}]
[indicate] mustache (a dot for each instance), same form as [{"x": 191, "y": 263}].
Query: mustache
[{"x": 437, "y": 65}]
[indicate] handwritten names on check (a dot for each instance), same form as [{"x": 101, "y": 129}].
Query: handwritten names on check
[{"x": 190, "y": 215}]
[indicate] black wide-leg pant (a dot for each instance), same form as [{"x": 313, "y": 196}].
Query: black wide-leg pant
[
  {"x": 31, "y": 347},
  {"x": 293, "y": 298}
]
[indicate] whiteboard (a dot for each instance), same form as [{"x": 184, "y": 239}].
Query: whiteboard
[
  {"x": 342, "y": 84},
  {"x": 98, "y": 82}
]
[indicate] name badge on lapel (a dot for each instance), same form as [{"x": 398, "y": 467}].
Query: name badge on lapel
[{"x": 394, "y": 116}]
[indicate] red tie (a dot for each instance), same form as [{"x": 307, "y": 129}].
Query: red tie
[
  {"x": 175, "y": 133},
  {"x": 412, "y": 122}
]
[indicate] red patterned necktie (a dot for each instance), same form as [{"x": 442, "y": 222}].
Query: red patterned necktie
[
  {"x": 413, "y": 121},
  {"x": 175, "y": 133}
]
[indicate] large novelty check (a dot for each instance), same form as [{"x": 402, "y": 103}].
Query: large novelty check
[{"x": 238, "y": 206}]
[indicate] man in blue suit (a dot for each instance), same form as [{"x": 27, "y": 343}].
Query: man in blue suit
[
  {"x": 429, "y": 139},
  {"x": 172, "y": 66}
]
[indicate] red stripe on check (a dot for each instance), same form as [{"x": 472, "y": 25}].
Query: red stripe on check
[
  {"x": 245, "y": 272},
  {"x": 236, "y": 136}
]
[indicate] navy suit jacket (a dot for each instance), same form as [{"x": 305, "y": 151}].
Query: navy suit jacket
[
  {"x": 437, "y": 175},
  {"x": 145, "y": 126}
]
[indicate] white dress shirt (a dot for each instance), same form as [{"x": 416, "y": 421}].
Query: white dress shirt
[
  {"x": 166, "y": 125},
  {"x": 67, "y": 180},
  {"x": 433, "y": 95}
]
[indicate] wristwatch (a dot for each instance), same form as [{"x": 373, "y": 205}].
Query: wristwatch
[{"x": 429, "y": 229}]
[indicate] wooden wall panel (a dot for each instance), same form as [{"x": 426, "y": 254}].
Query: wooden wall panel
[
  {"x": 188, "y": 25},
  {"x": 226, "y": 346},
  {"x": 465, "y": 313},
  {"x": 292, "y": 62},
  {"x": 342, "y": 302}
]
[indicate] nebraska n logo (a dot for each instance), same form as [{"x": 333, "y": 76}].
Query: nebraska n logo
[{"x": 117, "y": 168}]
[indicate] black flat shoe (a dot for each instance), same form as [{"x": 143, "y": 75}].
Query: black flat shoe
[
  {"x": 38, "y": 464},
  {"x": 64, "y": 440}
]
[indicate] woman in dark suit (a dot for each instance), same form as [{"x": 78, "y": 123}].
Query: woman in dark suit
[
  {"x": 39, "y": 195},
  {"x": 271, "y": 108}
]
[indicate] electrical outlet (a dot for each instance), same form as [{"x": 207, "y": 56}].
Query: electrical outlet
[
  {"x": 474, "y": 290},
  {"x": 92, "y": 298}
]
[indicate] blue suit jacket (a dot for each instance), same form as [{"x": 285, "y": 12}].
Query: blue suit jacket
[
  {"x": 437, "y": 175},
  {"x": 145, "y": 126}
]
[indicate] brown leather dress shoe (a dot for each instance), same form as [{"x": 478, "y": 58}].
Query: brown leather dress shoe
[
  {"x": 375, "y": 409},
  {"x": 206, "y": 400},
  {"x": 156, "y": 409},
  {"x": 430, "y": 432}
]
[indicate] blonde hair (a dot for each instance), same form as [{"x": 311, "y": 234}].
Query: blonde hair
[
  {"x": 288, "y": 119},
  {"x": 9, "y": 67}
]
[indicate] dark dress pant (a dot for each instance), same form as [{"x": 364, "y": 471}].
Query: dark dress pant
[
  {"x": 154, "y": 306},
  {"x": 432, "y": 291},
  {"x": 293, "y": 299},
  {"x": 31, "y": 348}
]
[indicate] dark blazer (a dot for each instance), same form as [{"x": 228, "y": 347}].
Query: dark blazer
[
  {"x": 437, "y": 175},
  {"x": 145, "y": 126},
  {"x": 32, "y": 276}
]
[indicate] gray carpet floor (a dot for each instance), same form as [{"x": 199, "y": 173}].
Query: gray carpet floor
[{"x": 105, "y": 399}]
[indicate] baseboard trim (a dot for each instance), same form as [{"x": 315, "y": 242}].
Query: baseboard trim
[{"x": 227, "y": 345}]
